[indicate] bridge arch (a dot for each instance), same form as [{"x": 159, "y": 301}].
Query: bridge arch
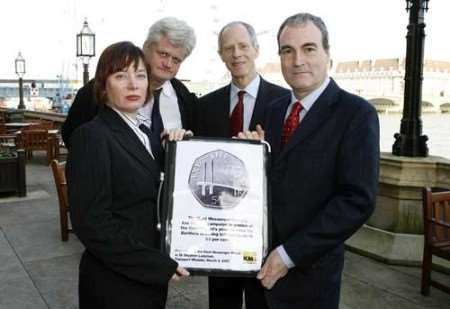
[
  {"x": 445, "y": 108},
  {"x": 382, "y": 104}
]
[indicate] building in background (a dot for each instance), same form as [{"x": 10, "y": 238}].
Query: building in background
[
  {"x": 381, "y": 81},
  {"x": 39, "y": 94}
]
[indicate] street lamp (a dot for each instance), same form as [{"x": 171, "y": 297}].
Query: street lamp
[
  {"x": 410, "y": 142},
  {"x": 85, "y": 48},
  {"x": 19, "y": 64}
]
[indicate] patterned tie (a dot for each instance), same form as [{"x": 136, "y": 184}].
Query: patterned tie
[
  {"x": 291, "y": 123},
  {"x": 150, "y": 135},
  {"x": 237, "y": 116}
]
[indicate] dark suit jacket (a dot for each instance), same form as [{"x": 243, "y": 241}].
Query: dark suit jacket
[
  {"x": 324, "y": 185},
  {"x": 112, "y": 188},
  {"x": 84, "y": 108},
  {"x": 214, "y": 109}
]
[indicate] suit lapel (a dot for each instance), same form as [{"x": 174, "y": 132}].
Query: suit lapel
[
  {"x": 258, "y": 110},
  {"x": 223, "y": 109},
  {"x": 278, "y": 112},
  {"x": 181, "y": 101},
  {"x": 319, "y": 113},
  {"x": 220, "y": 111},
  {"x": 128, "y": 140}
]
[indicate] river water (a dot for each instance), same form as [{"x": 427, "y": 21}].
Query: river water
[{"x": 435, "y": 126}]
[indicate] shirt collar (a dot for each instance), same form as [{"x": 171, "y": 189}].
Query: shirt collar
[
  {"x": 127, "y": 118},
  {"x": 308, "y": 101},
  {"x": 167, "y": 89},
  {"x": 143, "y": 116},
  {"x": 144, "y": 113},
  {"x": 251, "y": 89}
]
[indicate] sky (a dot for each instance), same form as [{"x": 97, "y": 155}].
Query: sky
[{"x": 45, "y": 30}]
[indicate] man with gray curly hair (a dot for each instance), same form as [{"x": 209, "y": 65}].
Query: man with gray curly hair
[{"x": 169, "y": 42}]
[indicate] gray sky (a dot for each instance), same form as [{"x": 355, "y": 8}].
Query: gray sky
[{"x": 44, "y": 30}]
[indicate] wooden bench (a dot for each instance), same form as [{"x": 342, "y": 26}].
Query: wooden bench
[{"x": 436, "y": 219}]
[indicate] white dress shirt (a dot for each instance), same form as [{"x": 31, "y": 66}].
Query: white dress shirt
[
  {"x": 134, "y": 125},
  {"x": 308, "y": 101},
  {"x": 168, "y": 108}
]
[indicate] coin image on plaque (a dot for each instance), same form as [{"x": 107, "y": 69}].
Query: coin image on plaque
[{"x": 218, "y": 179}]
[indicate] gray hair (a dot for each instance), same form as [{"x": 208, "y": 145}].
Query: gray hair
[
  {"x": 178, "y": 32},
  {"x": 302, "y": 19},
  {"x": 250, "y": 30}
]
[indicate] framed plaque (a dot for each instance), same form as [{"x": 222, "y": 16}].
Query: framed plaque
[{"x": 215, "y": 206}]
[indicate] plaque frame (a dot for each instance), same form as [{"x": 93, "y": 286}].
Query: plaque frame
[{"x": 169, "y": 204}]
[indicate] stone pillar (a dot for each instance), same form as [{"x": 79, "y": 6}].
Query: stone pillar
[
  {"x": 399, "y": 201},
  {"x": 394, "y": 233}
]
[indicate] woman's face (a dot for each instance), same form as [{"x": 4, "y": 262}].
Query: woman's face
[{"x": 127, "y": 89}]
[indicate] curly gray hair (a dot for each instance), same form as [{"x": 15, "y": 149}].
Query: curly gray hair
[{"x": 178, "y": 32}]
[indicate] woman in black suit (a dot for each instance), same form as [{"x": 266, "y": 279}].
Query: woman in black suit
[{"x": 112, "y": 186}]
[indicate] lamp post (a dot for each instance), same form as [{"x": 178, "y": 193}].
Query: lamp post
[
  {"x": 19, "y": 64},
  {"x": 85, "y": 48},
  {"x": 410, "y": 142}
]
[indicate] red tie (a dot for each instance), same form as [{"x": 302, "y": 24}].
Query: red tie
[
  {"x": 291, "y": 123},
  {"x": 237, "y": 116}
]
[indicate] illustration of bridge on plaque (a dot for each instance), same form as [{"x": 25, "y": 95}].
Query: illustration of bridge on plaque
[{"x": 218, "y": 179}]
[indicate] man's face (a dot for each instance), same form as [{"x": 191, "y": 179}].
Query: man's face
[
  {"x": 164, "y": 59},
  {"x": 304, "y": 61},
  {"x": 237, "y": 52}
]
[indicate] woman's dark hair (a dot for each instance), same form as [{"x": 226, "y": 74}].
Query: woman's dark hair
[{"x": 115, "y": 58}]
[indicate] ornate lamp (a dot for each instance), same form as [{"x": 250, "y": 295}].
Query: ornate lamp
[
  {"x": 19, "y": 64},
  {"x": 85, "y": 48},
  {"x": 410, "y": 141}
]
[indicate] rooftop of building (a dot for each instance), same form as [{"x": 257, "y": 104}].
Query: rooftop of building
[{"x": 389, "y": 64}]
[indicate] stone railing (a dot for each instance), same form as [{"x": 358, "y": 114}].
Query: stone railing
[
  {"x": 394, "y": 233},
  {"x": 399, "y": 202}
]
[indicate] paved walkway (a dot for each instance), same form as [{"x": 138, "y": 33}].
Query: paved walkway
[{"x": 38, "y": 270}]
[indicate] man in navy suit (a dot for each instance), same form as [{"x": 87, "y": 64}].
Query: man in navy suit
[
  {"x": 239, "y": 106},
  {"x": 325, "y": 151},
  {"x": 238, "y": 49}
]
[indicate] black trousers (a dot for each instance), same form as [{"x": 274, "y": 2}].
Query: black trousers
[
  {"x": 227, "y": 293},
  {"x": 317, "y": 287},
  {"x": 101, "y": 288},
  {"x": 328, "y": 300}
]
